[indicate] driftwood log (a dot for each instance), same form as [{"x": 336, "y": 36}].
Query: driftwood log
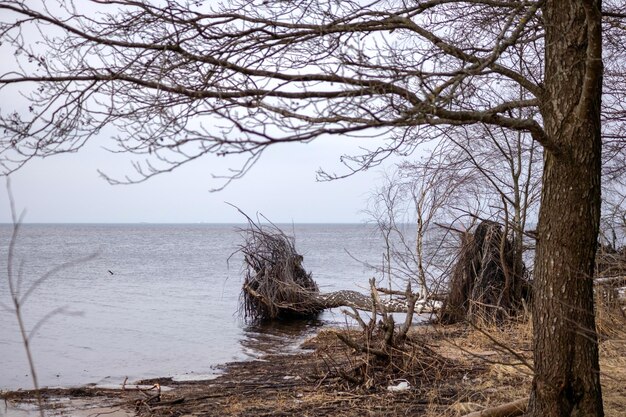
[
  {"x": 277, "y": 286},
  {"x": 512, "y": 409},
  {"x": 487, "y": 283}
]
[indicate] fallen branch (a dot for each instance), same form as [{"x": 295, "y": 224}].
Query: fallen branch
[
  {"x": 361, "y": 348},
  {"x": 179, "y": 400},
  {"x": 617, "y": 281},
  {"x": 512, "y": 409}
]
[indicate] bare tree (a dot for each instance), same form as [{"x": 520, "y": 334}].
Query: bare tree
[
  {"x": 406, "y": 210},
  {"x": 184, "y": 79},
  {"x": 478, "y": 173},
  {"x": 505, "y": 167}
]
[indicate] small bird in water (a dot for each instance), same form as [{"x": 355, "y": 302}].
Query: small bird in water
[{"x": 110, "y": 272}]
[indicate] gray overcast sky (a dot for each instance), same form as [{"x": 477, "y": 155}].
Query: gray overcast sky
[{"x": 282, "y": 186}]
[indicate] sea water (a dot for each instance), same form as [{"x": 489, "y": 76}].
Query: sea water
[{"x": 153, "y": 300}]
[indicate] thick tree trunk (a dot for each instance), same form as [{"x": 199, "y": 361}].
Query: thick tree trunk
[{"x": 566, "y": 381}]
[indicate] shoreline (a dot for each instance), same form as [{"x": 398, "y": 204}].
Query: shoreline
[{"x": 462, "y": 371}]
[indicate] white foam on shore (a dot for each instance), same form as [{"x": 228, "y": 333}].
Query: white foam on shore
[{"x": 194, "y": 377}]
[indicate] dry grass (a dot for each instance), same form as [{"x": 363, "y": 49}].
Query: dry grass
[
  {"x": 611, "y": 322},
  {"x": 613, "y": 373},
  {"x": 506, "y": 379},
  {"x": 610, "y": 314},
  {"x": 498, "y": 358}
]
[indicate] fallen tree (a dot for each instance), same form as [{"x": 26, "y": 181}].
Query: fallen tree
[{"x": 276, "y": 285}]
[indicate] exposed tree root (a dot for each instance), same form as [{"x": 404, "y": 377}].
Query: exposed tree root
[
  {"x": 276, "y": 285},
  {"x": 486, "y": 283}
]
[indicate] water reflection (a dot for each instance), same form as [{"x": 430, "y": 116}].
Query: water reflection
[
  {"x": 286, "y": 336},
  {"x": 279, "y": 336}
]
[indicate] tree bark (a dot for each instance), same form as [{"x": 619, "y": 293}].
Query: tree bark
[
  {"x": 348, "y": 298},
  {"x": 566, "y": 381},
  {"x": 313, "y": 303}
]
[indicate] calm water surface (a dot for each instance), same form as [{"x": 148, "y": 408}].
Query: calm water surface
[{"x": 168, "y": 309}]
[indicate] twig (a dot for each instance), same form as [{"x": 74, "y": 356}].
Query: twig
[
  {"x": 175, "y": 401},
  {"x": 364, "y": 349},
  {"x": 356, "y": 316},
  {"x": 15, "y": 296}
]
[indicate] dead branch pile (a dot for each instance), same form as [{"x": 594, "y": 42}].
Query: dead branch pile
[
  {"x": 375, "y": 364},
  {"x": 275, "y": 283},
  {"x": 486, "y": 284},
  {"x": 383, "y": 351}
]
